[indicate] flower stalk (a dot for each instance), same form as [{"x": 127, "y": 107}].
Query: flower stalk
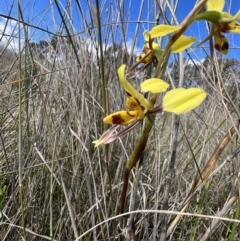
[{"x": 140, "y": 146}]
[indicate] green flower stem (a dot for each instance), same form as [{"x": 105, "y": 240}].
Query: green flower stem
[
  {"x": 135, "y": 156},
  {"x": 139, "y": 148}
]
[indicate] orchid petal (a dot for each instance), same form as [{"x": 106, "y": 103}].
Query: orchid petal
[
  {"x": 227, "y": 17},
  {"x": 154, "y": 85},
  {"x": 229, "y": 23},
  {"x": 146, "y": 36},
  {"x": 182, "y": 100},
  {"x": 236, "y": 16},
  {"x": 235, "y": 30},
  {"x": 215, "y": 5},
  {"x": 131, "y": 90},
  {"x": 121, "y": 133},
  {"x": 139, "y": 58},
  {"x": 124, "y": 117},
  {"x": 105, "y": 136},
  {"x": 221, "y": 43},
  {"x": 183, "y": 42},
  {"x": 132, "y": 104},
  {"x": 162, "y": 30},
  {"x": 155, "y": 46},
  {"x": 145, "y": 58}
]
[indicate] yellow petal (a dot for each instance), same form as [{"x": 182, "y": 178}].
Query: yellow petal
[
  {"x": 162, "y": 30},
  {"x": 145, "y": 58},
  {"x": 147, "y": 39},
  {"x": 144, "y": 103},
  {"x": 229, "y": 23},
  {"x": 154, "y": 85},
  {"x": 155, "y": 46},
  {"x": 236, "y": 16},
  {"x": 235, "y": 30},
  {"x": 216, "y": 5},
  {"x": 132, "y": 103},
  {"x": 182, "y": 43},
  {"x": 221, "y": 43},
  {"x": 227, "y": 17},
  {"x": 97, "y": 143},
  {"x": 124, "y": 117},
  {"x": 146, "y": 36},
  {"x": 181, "y": 100},
  {"x": 140, "y": 57}
]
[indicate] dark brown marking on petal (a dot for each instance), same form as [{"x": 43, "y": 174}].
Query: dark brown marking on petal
[
  {"x": 137, "y": 101},
  {"x": 117, "y": 119},
  {"x": 143, "y": 108},
  {"x": 225, "y": 27},
  {"x": 130, "y": 114},
  {"x": 133, "y": 106},
  {"x": 225, "y": 46}
]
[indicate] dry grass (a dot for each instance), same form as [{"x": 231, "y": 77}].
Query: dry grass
[{"x": 54, "y": 185}]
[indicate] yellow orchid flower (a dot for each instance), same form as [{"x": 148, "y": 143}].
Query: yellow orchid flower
[
  {"x": 136, "y": 103},
  {"x": 152, "y": 49},
  {"x": 222, "y": 22},
  {"x": 177, "y": 101}
]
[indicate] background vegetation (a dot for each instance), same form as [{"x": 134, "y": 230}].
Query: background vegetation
[{"x": 54, "y": 185}]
